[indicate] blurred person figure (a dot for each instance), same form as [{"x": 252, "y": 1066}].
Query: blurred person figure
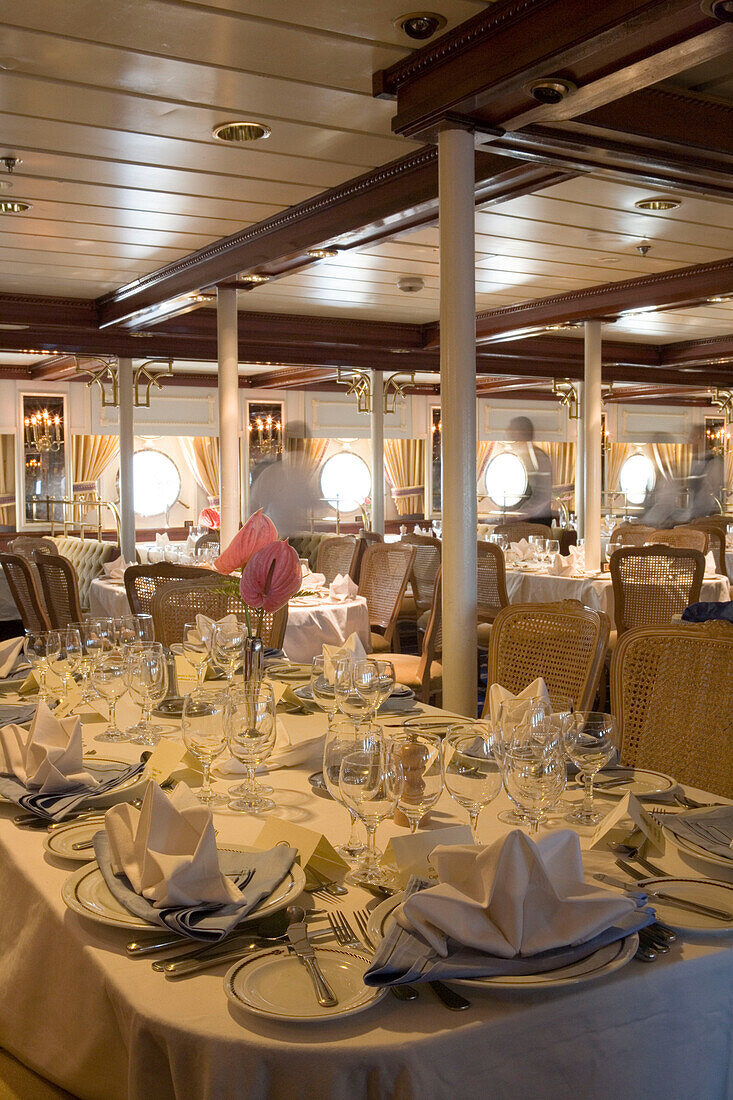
[
  {"x": 705, "y": 483},
  {"x": 536, "y": 505},
  {"x": 661, "y": 507},
  {"x": 287, "y": 490}
]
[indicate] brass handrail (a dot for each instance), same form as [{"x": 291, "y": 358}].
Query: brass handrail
[{"x": 72, "y": 506}]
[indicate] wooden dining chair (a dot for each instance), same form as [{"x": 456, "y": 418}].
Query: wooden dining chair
[
  {"x": 26, "y": 544},
  {"x": 143, "y": 581},
  {"x": 338, "y": 555},
  {"x": 629, "y": 534},
  {"x": 424, "y": 672},
  {"x": 653, "y": 583},
  {"x": 179, "y": 602},
  {"x": 385, "y": 570},
  {"x": 209, "y": 538},
  {"x": 24, "y": 588},
  {"x": 60, "y": 589},
  {"x": 672, "y": 696},
  {"x": 416, "y": 606},
  {"x": 491, "y": 590},
  {"x": 716, "y": 541},
  {"x": 515, "y": 532},
  {"x": 687, "y": 537},
  {"x": 564, "y": 643}
]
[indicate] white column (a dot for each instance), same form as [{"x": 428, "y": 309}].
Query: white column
[
  {"x": 580, "y": 462},
  {"x": 126, "y": 431},
  {"x": 592, "y": 424},
  {"x": 228, "y": 355},
  {"x": 377, "y": 427},
  {"x": 458, "y": 401}
]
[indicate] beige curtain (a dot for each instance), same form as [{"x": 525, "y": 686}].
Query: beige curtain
[
  {"x": 729, "y": 468},
  {"x": 562, "y": 459},
  {"x": 90, "y": 457},
  {"x": 307, "y": 452},
  {"x": 202, "y": 458},
  {"x": 616, "y": 455},
  {"x": 7, "y": 478},
  {"x": 484, "y": 454},
  {"x": 404, "y": 465},
  {"x": 672, "y": 459}
]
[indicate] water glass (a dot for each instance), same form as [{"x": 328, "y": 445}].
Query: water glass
[
  {"x": 538, "y": 545},
  {"x": 72, "y": 649},
  {"x": 252, "y": 733},
  {"x": 553, "y": 549},
  {"x": 371, "y": 785},
  {"x": 342, "y": 738},
  {"x": 589, "y": 739},
  {"x": 322, "y": 688},
  {"x": 58, "y": 659},
  {"x": 228, "y": 644},
  {"x": 205, "y": 722},
  {"x": 534, "y": 779},
  {"x": 195, "y": 649},
  {"x": 419, "y": 756},
  {"x": 472, "y": 772},
  {"x": 36, "y": 647},
  {"x": 374, "y": 682},
  {"x": 109, "y": 677},
  {"x": 147, "y": 681},
  {"x": 348, "y": 700},
  {"x": 145, "y": 628}
]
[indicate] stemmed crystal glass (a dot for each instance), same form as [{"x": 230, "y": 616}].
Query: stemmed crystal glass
[
  {"x": 419, "y": 756},
  {"x": 371, "y": 784},
  {"x": 147, "y": 680},
  {"x": 60, "y": 663},
  {"x": 534, "y": 777},
  {"x": 538, "y": 543},
  {"x": 589, "y": 740},
  {"x": 228, "y": 642},
  {"x": 39, "y": 647},
  {"x": 195, "y": 649},
  {"x": 344, "y": 737},
  {"x": 348, "y": 699},
  {"x": 519, "y": 724},
  {"x": 73, "y": 650},
  {"x": 109, "y": 677},
  {"x": 252, "y": 733},
  {"x": 553, "y": 549},
  {"x": 472, "y": 771},
  {"x": 322, "y": 688},
  {"x": 205, "y": 723},
  {"x": 374, "y": 682}
]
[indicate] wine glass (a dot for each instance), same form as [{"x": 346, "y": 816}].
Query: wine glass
[
  {"x": 534, "y": 778},
  {"x": 371, "y": 784},
  {"x": 589, "y": 738},
  {"x": 58, "y": 660},
  {"x": 205, "y": 724},
  {"x": 252, "y": 733},
  {"x": 538, "y": 544},
  {"x": 342, "y": 738},
  {"x": 472, "y": 771},
  {"x": 195, "y": 649},
  {"x": 228, "y": 644},
  {"x": 521, "y": 724},
  {"x": 553, "y": 549},
  {"x": 348, "y": 699},
  {"x": 73, "y": 650},
  {"x": 35, "y": 647},
  {"x": 145, "y": 628},
  {"x": 109, "y": 677},
  {"x": 322, "y": 688},
  {"x": 419, "y": 756},
  {"x": 147, "y": 680},
  {"x": 127, "y": 630},
  {"x": 374, "y": 682}
]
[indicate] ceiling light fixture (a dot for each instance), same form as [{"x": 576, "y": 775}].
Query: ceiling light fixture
[
  {"x": 242, "y": 130},
  {"x": 13, "y": 206},
  {"x": 13, "y": 328},
  {"x": 718, "y": 298},
  {"x": 254, "y": 279},
  {"x": 199, "y": 297},
  {"x": 322, "y": 253},
  {"x": 550, "y": 89},
  {"x": 410, "y": 284},
  {"x": 722, "y": 10},
  {"x": 420, "y": 25},
  {"x": 657, "y": 204}
]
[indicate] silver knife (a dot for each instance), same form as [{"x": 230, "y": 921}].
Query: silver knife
[
  {"x": 298, "y": 936},
  {"x": 671, "y": 899}
]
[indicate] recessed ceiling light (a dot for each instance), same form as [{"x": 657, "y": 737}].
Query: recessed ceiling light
[
  {"x": 657, "y": 204},
  {"x": 322, "y": 253},
  {"x": 564, "y": 326},
  {"x": 201, "y": 297},
  {"x": 720, "y": 298},
  {"x": 242, "y": 130},
  {"x": 254, "y": 278},
  {"x": 143, "y": 335},
  {"x": 13, "y": 328},
  {"x": 13, "y": 206},
  {"x": 420, "y": 25}
]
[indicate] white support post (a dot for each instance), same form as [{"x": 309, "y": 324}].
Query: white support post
[
  {"x": 228, "y": 356},
  {"x": 126, "y": 433},
  {"x": 580, "y": 462},
  {"x": 377, "y": 434},
  {"x": 592, "y": 425},
  {"x": 458, "y": 400}
]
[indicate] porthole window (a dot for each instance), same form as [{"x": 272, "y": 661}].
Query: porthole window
[
  {"x": 637, "y": 478},
  {"x": 156, "y": 482},
  {"x": 345, "y": 481},
  {"x": 506, "y": 480}
]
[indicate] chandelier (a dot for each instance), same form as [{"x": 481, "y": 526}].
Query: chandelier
[
  {"x": 269, "y": 434},
  {"x": 359, "y": 382},
  {"x": 43, "y": 432}
]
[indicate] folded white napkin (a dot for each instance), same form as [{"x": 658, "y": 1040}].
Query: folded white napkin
[
  {"x": 48, "y": 758},
  {"x": 162, "y": 538},
  {"x": 352, "y": 647},
  {"x": 520, "y": 551},
  {"x": 514, "y": 897},
  {"x": 342, "y": 587},
  {"x": 516, "y": 707},
  {"x": 286, "y": 754},
  {"x": 417, "y": 530},
  {"x": 312, "y": 581},
  {"x": 115, "y": 570},
  {"x": 205, "y": 627},
  {"x": 577, "y": 557},
  {"x": 10, "y": 650},
  {"x": 167, "y": 849},
  {"x": 710, "y": 567},
  {"x": 562, "y": 566}
]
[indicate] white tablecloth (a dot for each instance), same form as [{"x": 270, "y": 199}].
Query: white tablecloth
[
  {"x": 595, "y": 592},
  {"x": 75, "y": 1008}
]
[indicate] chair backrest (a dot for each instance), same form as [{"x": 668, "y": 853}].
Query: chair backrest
[
  {"x": 432, "y": 645},
  {"x": 209, "y": 538},
  {"x": 491, "y": 581},
  {"x": 653, "y": 583},
  {"x": 630, "y": 534},
  {"x": 143, "y": 581},
  {"x": 338, "y": 555},
  {"x": 672, "y": 695},
  {"x": 88, "y": 557},
  {"x": 179, "y": 602},
  {"x": 564, "y": 643},
  {"x": 385, "y": 569},
  {"x": 716, "y": 540},
  {"x": 60, "y": 589},
  {"x": 24, "y": 589},
  {"x": 428, "y": 553},
  {"x": 515, "y": 532},
  {"x": 684, "y": 536},
  {"x": 26, "y": 544}
]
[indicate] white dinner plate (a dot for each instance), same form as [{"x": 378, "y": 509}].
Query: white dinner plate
[
  {"x": 98, "y": 767},
  {"x": 287, "y": 671},
  {"x": 275, "y": 984},
  {"x": 718, "y": 895},
  {"x": 698, "y": 852},
  {"x": 401, "y": 700},
  {"x": 641, "y": 782},
  {"x": 597, "y": 965},
  {"x": 85, "y": 892},
  {"x": 60, "y": 842}
]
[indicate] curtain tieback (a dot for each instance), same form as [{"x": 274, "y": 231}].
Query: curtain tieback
[
  {"x": 407, "y": 491},
  {"x": 84, "y": 486}
]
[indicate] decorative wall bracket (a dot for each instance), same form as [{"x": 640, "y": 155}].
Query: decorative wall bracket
[
  {"x": 567, "y": 393},
  {"x": 360, "y": 383},
  {"x": 104, "y": 371},
  {"x": 723, "y": 400}
]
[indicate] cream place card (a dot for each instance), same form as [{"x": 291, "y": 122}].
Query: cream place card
[
  {"x": 170, "y": 758},
  {"x": 410, "y": 854},
  {"x": 72, "y": 700},
  {"x": 185, "y": 674},
  {"x": 278, "y": 689},
  {"x": 314, "y": 849},
  {"x": 615, "y": 826}
]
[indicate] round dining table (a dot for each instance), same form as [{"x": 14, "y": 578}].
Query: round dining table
[{"x": 77, "y": 1010}]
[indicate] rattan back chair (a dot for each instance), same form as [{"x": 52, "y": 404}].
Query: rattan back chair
[
  {"x": 60, "y": 588},
  {"x": 338, "y": 555},
  {"x": 179, "y": 602},
  {"x": 564, "y": 643},
  {"x": 428, "y": 555},
  {"x": 515, "y": 532},
  {"x": 687, "y": 537},
  {"x": 26, "y": 544},
  {"x": 424, "y": 673},
  {"x": 672, "y": 695},
  {"x": 653, "y": 583},
  {"x": 491, "y": 581},
  {"x": 385, "y": 570},
  {"x": 716, "y": 540},
  {"x": 629, "y": 534},
  {"x": 23, "y": 585},
  {"x": 209, "y": 538},
  {"x": 143, "y": 581}
]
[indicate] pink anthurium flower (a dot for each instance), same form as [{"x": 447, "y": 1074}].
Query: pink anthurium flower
[
  {"x": 258, "y": 531},
  {"x": 271, "y": 577},
  {"x": 210, "y": 518}
]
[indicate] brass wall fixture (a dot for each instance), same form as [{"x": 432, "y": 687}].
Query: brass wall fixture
[
  {"x": 104, "y": 371},
  {"x": 567, "y": 392},
  {"x": 359, "y": 382}
]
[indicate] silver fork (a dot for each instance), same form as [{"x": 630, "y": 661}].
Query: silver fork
[{"x": 346, "y": 937}]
